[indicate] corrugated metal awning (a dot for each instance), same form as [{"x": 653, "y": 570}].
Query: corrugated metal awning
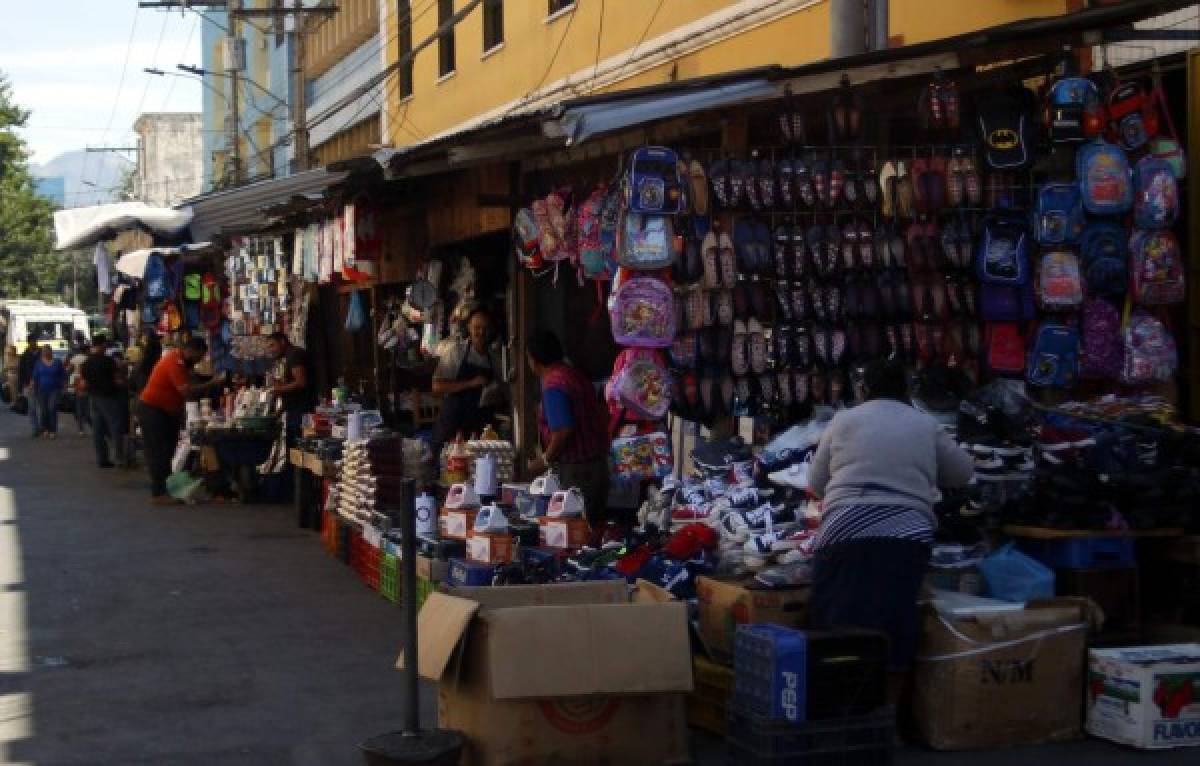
[{"x": 241, "y": 210}]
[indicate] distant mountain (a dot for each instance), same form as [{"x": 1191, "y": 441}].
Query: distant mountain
[{"x": 103, "y": 170}]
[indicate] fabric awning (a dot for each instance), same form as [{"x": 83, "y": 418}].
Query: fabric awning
[
  {"x": 83, "y": 226},
  {"x": 240, "y": 210},
  {"x": 133, "y": 264}
]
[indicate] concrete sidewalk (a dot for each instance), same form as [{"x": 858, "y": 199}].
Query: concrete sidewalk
[{"x": 215, "y": 635}]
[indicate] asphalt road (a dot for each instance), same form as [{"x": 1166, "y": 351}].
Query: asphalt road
[{"x": 217, "y": 634}]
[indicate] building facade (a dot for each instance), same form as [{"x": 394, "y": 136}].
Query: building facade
[
  {"x": 264, "y": 91},
  {"x": 506, "y": 54},
  {"x": 170, "y": 158}
]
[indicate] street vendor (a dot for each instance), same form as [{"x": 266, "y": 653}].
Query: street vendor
[
  {"x": 161, "y": 406},
  {"x": 877, "y": 470},
  {"x": 572, "y": 427},
  {"x": 292, "y": 382},
  {"x": 466, "y": 370}
]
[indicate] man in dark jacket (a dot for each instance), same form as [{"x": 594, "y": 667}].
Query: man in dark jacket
[
  {"x": 25, "y": 367},
  {"x": 105, "y": 380}
]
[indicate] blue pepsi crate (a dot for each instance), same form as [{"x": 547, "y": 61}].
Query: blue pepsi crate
[
  {"x": 770, "y": 669},
  {"x": 467, "y": 574},
  {"x": 1083, "y": 552},
  {"x": 862, "y": 740}
]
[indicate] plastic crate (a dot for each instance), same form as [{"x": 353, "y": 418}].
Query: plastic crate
[
  {"x": 425, "y": 586},
  {"x": 866, "y": 740},
  {"x": 329, "y": 533},
  {"x": 369, "y": 565},
  {"x": 389, "y": 577},
  {"x": 708, "y": 702},
  {"x": 770, "y": 664},
  {"x": 346, "y": 534},
  {"x": 1083, "y": 552},
  {"x": 465, "y": 573}
]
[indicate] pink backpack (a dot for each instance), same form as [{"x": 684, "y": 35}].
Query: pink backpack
[
  {"x": 640, "y": 386},
  {"x": 1059, "y": 282},
  {"x": 1150, "y": 353},
  {"x": 642, "y": 313},
  {"x": 557, "y": 241},
  {"x": 595, "y": 253},
  {"x": 1156, "y": 272},
  {"x": 1102, "y": 354}
]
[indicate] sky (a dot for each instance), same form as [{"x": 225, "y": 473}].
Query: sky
[{"x": 65, "y": 60}]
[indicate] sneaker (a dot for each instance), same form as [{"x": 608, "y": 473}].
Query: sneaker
[
  {"x": 739, "y": 525},
  {"x": 690, "y": 513},
  {"x": 787, "y": 575},
  {"x": 776, "y": 541}
]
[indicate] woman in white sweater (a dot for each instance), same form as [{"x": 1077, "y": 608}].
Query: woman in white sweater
[{"x": 877, "y": 471}]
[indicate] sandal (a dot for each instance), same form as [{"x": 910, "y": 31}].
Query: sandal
[
  {"x": 837, "y": 181},
  {"x": 821, "y": 344},
  {"x": 834, "y": 307},
  {"x": 724, "y": 307},
  {"x": 918, "y": 170},
  {"x": 887, "y": 189},
  {"x": 781, "y": 345},
  {"x": 805, "y": 190},
  {"x": 837, "y": 387},
  {"x": 816, "y": 298},
  {"x": 749, "y": 170},
  {"x": 870, "y": 188},
  {"x": 708, "y": 256},
  {"x": 818, "y": 387},
  {"x": 693, "y": 310},
  {"x": 782, "y": 251},
  {"x": 904, "y": 201},
  {"x": 801, "y": 348},
  {"x": 784, "y": 301},
  {"x": 891, "y": 335},
  {"x": 935, "y": 184},
  {"x": 814, "y": 241},
  {"x": 850, "y": 247},
  {"x": 799, "y": 303},
  {"x": 758, "y": 346},
  {"x": 799, "y": 253},
  {"x": 866, "y": 246},
  {"x": 837, "y": 347},
  {"x": 971, "y": 183},
  {"x": 783, "y": 382},
  {"x": 833, "y": 251},
  {"x": 955, "y": 186},
  {"x": 738, "y": 361},
  {"x": 762, "y": 249},
  {"x": 698, "y": 185},
  {"x": 820, "y": 175},
  {"x": 706, "y": 308},
  {"x": 718, "y": 177},
  {"x": 801, "y": 387},
  {"x": 737, "y": 183},
  {"x": 786, "y": 173},
  {"x": 766, "y": 184},
  {"x": 726, "y": 262}
]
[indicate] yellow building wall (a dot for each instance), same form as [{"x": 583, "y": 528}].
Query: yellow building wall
[{"x": 538, "y": 52}]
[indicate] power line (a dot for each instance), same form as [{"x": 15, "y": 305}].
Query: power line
[
  {"x": 120, "y": 84},
  {"x": 186, "y": 43},
  {"x": 162, "y": 32}
]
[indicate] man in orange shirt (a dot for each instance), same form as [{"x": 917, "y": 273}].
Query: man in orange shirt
[{"x": 160, "y": 410}]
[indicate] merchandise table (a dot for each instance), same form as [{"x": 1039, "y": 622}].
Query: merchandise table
[
  {"x": 239, "y": 453},
  {"x": 308, "y": 472}
]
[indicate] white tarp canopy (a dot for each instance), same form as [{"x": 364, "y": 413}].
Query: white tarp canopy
[
  {"x": 83, "y": 226},
  {"x": 133, "y": 264}
]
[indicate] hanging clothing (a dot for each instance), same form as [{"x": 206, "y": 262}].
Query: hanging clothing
[{"x": 103, "y": 264}]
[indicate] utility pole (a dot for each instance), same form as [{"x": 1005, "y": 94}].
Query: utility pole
[
  {"x": 234, "y": 57},
  {"x": 300, "y": 98}
]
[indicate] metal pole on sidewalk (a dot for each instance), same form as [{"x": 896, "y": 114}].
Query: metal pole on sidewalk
[{"x": 408, "y": 583}]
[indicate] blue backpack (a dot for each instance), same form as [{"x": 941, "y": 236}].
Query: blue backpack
[
  {"x": 1104, "y": 259},
  {"x": 1054, "y": 360},
  {"x": 1058, "y": 214},
  {"x": 652, "y": 183},
  {"x": 1104, "y": 181},
  {"x": 1073, "y": 109},
  {"x": 157, "y": 278},
  {"x": 1003, "y": 257},
  {"x": 1155, "y": 194},
  {"x": 1007, "y": 303}
]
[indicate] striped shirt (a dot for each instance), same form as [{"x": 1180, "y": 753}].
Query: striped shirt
[{"x": 857, "y": 522}]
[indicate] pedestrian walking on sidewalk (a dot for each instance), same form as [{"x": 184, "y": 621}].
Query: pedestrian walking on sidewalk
[
  {"x": 82, "y": 409},
  {"x": 160, "y": 410},
  {"x": 49, "y": 380},
  {"x": 26, "y": 363},
  {"x": 105, "y": 380}
]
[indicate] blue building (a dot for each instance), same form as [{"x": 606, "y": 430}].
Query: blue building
[
  {"x": 53, "y": 188},
  {"x": 263, "y": 95}
]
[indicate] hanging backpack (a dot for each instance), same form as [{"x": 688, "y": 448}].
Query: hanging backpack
[
  {"x": 1003, "y": 257},
  {"x": 1131, "y": 116},
  {"x": 191, "y": 286},
  {"x": 1007, "y": 303},
  {"x": 1104, "y": 250},
  {"x": 1059, "y": 281},
  {"x": 595, "y": 256},
  {"x": 1155, "y": 194},
  {"x": 1074, "y": 111},
  {"x": 210, "y": 301},
  {"x": 1156, "y": 268},
  {"x": 527, "y": 239},
  {"x": 642, "y": 313},
  {"x": 647, "y": 242},
  {"x": 1005, "y": 348},
  {"x": 652, "y": 182},
  {"x": 1166, "y": 146},
  {"x": 1150, "y": 353},
  {"x": 557, "y": 241},
  {"x": 1103, "y": 173},
  {"x": 1058, "y": 214},
  {"x": 158, "y": 280},
  {"x": 1101, "y": 354},
  {"x": 640, "y": 385},
  {"x": 1006, "y": 126},
  {"x": 1054, "y": 358}
]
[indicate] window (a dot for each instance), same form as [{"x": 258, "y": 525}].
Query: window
[
  {"x": 404, "y": 37},
  {"x": 446, "y": 39},
  {"x": 558, "y": 5},
  {"x": 493, "y": 23}
]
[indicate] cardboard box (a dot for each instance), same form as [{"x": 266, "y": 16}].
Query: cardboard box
[
  {"x": 1002, "y": 678},
  {"x": 434, "y": 570},
  {"x": 457, "y": 524},
  {"x": 563, "y": 533},
  {"x": 725, "y": 604},
  {"x": 1148, "y": 696},
  {"x": 490, "y": 547},
  {"x": 570, "y": 673}
]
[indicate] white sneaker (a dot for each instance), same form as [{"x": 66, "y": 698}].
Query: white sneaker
[{"x": 739, "y": 525}]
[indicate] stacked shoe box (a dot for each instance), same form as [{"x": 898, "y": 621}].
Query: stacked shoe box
[
  {"x": 370, "y": 481},
  {"x": 809, "y": 697}
]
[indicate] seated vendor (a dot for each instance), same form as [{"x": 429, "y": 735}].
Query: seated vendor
[{"x": 465, "y": 369}]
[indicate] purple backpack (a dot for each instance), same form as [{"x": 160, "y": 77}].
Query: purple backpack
[
  {"x": 1155, "y": 194},
  {"x": 642, "y": 313},
  {"x": 1102, "y": 353},
  {"x": 1150, "y": 353}
]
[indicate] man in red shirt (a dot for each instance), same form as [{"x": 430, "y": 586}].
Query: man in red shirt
[{"x": 160, "y": 410}]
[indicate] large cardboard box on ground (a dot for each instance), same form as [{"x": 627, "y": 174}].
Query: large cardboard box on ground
[
  {"x": 1008, "y": 678},
  {"x": 571, "y": 673},
  {"x": 1147, "y": 696},
  {"x": 725, "y": 604}
]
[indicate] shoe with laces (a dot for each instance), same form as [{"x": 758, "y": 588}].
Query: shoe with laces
[{"x": 739, "y": 525}]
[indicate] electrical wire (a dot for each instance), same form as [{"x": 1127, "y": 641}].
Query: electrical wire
[
  {"x": 162, "y": 32},
  {"x": 596, "y": 58},
  {"x": 633, "y": 51},
  {"x": 120, "y": 86},
  {"x": 187, "y": 42}
]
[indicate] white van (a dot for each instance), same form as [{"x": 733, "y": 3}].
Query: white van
[{"x": 53, "y": 325}]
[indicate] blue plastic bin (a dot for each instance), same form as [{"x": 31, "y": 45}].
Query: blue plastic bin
[
  {"x": 465, "y": 573},
  {"x": 770, "y": 669},
  {"x": 1083, "y": 552}
]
